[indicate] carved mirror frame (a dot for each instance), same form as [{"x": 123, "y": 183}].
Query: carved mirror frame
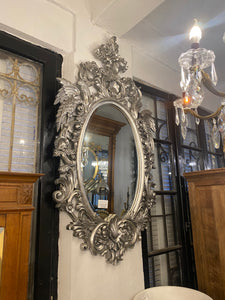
[{"x": 96, "y": 86}]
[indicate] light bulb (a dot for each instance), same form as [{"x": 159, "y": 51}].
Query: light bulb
[
  {"x": 195, "y": 34},
  {"x": 186, "y": 101}
]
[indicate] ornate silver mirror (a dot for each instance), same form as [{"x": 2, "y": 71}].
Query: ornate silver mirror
[{"x": 105, "y": 145}]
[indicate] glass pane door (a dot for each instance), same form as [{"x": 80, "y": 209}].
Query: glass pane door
[{"x": 20, "y": 91}]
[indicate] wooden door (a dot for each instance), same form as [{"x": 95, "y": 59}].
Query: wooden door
[
  {"x": 16, "y": 191},
  {"x": 207, "y": 205}
]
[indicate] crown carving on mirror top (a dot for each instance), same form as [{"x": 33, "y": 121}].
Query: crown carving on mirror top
[{"x": 108, "y": 237}]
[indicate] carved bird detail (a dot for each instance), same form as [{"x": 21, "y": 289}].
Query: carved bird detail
[{"x": 68, "y": 96}]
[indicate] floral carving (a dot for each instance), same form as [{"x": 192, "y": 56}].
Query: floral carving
[
  {"x": 26, "y": 194},
  {"x": 112, "y": 236}
]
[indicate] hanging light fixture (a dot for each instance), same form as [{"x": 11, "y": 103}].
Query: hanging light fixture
[{"x": 193, "y": 77}]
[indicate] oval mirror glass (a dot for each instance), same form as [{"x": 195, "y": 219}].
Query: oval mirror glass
[{"x": 109, "y": 162}]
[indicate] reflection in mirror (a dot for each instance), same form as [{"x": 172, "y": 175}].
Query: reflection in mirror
[
  {"x": 1, "y": 249},
  {"x": 109, "y": 162}
]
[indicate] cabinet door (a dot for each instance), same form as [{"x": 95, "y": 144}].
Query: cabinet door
[
  {"x": 14, "y": 271},
  {"x": 207, "y": 205}
]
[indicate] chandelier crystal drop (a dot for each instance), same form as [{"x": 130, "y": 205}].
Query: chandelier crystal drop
[
  {"x": 215, "y": 135},
  {"x": 193, "y": 63}
]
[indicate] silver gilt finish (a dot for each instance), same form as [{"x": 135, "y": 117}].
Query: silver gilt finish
[{"x": 76, "y": 102}]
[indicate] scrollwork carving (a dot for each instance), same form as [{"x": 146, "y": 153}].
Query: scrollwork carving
[{"x": 95, "y": 86}]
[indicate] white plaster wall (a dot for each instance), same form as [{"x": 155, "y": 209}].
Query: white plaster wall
[
  {"x": 39, "y": 21},
  {"x": 154, "y": 72},
  {"x": 84, "y": 277}
]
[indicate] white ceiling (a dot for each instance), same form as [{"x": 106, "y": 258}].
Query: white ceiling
[{"x": 162, "y": 26}]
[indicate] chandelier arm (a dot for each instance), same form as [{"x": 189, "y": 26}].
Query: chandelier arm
[
  {"x": 195, "y": 114},
  {"x": 209, "y": 85}
]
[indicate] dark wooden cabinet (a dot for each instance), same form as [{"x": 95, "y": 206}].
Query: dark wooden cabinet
[
  {"x": 207, "y": 206},
  {"x": 16, "y": 192}
]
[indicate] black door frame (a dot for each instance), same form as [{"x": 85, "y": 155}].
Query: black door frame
[
  {"x": 47, "y": 231},
  {"x": 183, "y": 215}
]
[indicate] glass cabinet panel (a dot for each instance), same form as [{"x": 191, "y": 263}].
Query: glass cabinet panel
[{"x": 20, "y": 90}]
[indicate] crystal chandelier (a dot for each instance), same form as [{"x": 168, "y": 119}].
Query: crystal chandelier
[{"x": 193, "y": 77}]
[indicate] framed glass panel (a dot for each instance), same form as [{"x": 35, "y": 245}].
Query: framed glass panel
[
  {"x": 163, "y": 174},
  {"x": 165, "y": 269},
  {"x": 20, "y": 90},
  {"x": 191, "y": 139},
  {"x": 214, "y": 161},
  {"x": 157, "y": 209},
  {"x": 161, "y": 110},
  {"x": 175, "y": 268},
  {"x": 162, "y": 131},
  {"x": 208, "y": 135},
  {"x": 5, "y": 124},
  {"x": 158, "y": 266},
  {"x": 157, "y": 234},
  {"x": 191, "y": 160},
  {"x": 169, "y": 202},
  {"x": 171, "y": 231},
  {"x": 162, "y": 233},
  {"x": 148, "y": 103},
  {"x": 164, "y": 205}
]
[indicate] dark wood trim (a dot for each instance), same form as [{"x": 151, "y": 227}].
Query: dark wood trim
[
  {"x": 104, "y": 126},
  {"x": 46, "y": 261},
  {"x": 18, "y": 177}
]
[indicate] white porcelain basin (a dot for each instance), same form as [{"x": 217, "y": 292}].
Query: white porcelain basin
[{"x": 171, "y": 293}]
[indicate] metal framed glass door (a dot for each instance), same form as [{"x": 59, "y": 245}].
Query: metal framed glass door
[
  {"x": 163, "y": 238},
  {"x": 167, "y": 247}
]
